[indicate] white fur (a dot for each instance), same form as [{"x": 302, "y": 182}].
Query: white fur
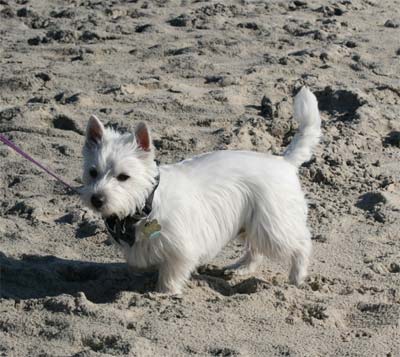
[
  {"x": 307, "y": 115},
  {"x": 205, "y": 202}
]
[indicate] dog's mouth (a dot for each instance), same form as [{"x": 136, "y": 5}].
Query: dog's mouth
[
  {"x": 111, "y": 222},
  {"x": 111, "y": 219}
]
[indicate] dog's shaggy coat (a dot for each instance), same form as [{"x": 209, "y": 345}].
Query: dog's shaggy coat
[{"x": 205, "y": 202}]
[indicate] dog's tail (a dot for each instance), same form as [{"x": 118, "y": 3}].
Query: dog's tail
[{"x": 306, "y": 113}]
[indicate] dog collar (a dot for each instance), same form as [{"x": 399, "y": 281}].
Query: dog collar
[{"x": 124, "y": 229}]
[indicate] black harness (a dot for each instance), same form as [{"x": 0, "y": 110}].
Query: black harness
[{"x": 125, "y": 229}]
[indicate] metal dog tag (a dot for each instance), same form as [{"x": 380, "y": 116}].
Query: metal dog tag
[{"x": 152, "y": 229}]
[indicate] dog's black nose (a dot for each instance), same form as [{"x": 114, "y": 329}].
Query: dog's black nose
[{"x": 97, "y": 200}]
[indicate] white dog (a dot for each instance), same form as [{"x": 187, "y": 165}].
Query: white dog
[{"x": 175, "y": 217}]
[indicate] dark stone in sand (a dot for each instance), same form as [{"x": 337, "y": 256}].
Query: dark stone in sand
[
  {"x": 351, "y": 44},
  {"x": 24, "y": 12},
  {"x": 143, "y": 28},
  {"x": 394, "y": 24},
  {"x": 180, "y": 21},
  {"x": 34, "y": 41},
  {"x": 43, "y": 76},
  {"x": 214, "y": 79}
]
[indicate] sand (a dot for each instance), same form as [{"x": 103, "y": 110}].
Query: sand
[{"x": 205, "y": 75}]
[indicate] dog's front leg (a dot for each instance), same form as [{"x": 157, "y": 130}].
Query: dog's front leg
[{"x": 172, "y": 276}]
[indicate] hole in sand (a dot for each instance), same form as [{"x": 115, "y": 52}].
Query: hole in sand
[
  {"x": 65, "y": 123},
  {"x": 369, "y": 200},
  {"x": 341, "y": 104}
]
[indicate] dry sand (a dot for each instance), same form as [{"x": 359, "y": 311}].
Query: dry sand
[{"x": 205, "y": 75}]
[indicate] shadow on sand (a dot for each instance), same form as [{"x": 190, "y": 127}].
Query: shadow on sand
[{"x": 33, "y": 277}]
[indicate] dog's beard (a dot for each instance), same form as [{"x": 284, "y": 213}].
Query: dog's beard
[{"x": 120, "y": 198}]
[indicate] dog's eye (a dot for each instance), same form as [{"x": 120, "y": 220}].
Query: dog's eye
[
  {"x": 93, "y": 172},
  {"x": 122, "y": 177}
]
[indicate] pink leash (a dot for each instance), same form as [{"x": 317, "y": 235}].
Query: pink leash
[{"x": 31, "y": 159}]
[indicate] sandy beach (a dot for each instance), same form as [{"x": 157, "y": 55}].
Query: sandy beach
[{"x": 205, "y": 75}]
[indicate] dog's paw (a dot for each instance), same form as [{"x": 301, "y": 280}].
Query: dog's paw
[
  {"x": 231, "y": 272},
  {"x": 165, "y": 289},
  {"x": 241, "y": 268}
]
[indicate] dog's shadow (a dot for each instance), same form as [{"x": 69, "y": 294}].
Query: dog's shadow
[{"x": 34, "y": 277}]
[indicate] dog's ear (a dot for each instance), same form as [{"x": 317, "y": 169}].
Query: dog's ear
[
  {"x": 143, "y": 136},
  {"x": 94, "y": 131}
]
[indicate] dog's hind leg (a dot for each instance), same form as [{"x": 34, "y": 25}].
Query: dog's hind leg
[
  {"x": 248, "y": 263},
  {"x": 284, "y": 242},
  {"x": 299, "y": 263}
]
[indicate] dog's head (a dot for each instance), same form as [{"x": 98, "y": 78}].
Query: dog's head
[{"x": 119, "y": 169}]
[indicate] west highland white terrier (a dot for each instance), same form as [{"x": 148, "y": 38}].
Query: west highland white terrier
[{"x": 176, "y": 217}]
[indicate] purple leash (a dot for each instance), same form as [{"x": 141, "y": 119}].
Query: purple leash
[{"x": 31, "y": 159}]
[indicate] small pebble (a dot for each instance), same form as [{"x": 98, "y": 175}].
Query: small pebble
[
  {"x": 43, "y": 76},
  {"x": 394, "y": 268},
  {"x": 180, "y": 21},
  {"x": 394, "y": 24},
  {"x": 34, "y": 41},
  {"x": 351, "y": 44}
]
